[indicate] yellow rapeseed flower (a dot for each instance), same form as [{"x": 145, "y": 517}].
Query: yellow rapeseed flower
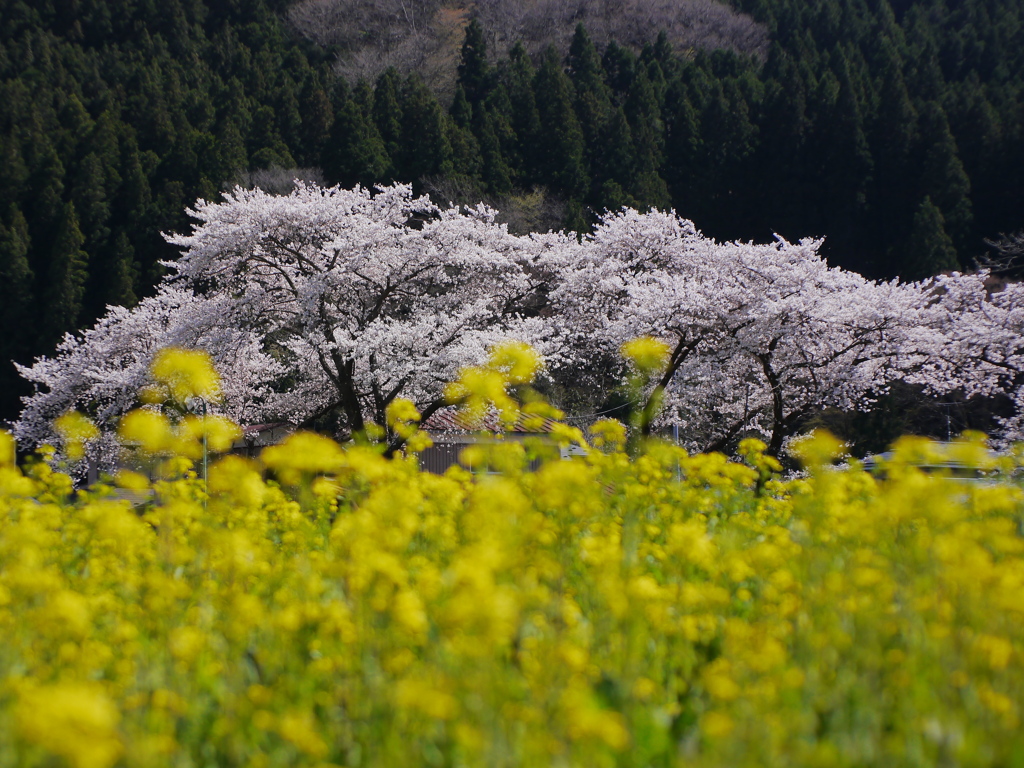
[
  {"x": 8, "y": 449},
  {"x": 304, "y": 453},
  {"x": 75, "y": 721},
  {"x": 184, "y": 374},
  {"x": 75, "y": 430},
  {"x": 648, "y": 355},
  {"x": 519, "y": 362},
  {"x": 149, "y": 430}
]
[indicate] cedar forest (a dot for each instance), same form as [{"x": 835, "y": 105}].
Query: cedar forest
[{"x": 893, "y": 129}]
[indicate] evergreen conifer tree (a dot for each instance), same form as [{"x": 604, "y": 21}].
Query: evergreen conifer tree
[
  {"x": 464, "y": 155},
  {"x": 17, "y": 307},
  {"x": 287, "y": 113},
  {"x": 355, "y": 152},
  {"x": 121, "y": 272},
  {"x": 317, "y": 117},
  {"x": 592, "y": 101},
  {"x": 523, "y": 114},
  {"x": 495, "y": 171},
  {"x": 784, "y": 179},
  {"x": 892, "y": 140},
  {"x": 461, "y": 110},
  {"x": 46, "y": 187},
  {"x": 134, "y": 197},
  {"x": 15, "y": 174},
  {"x": 104, "y": 143},
  {"x": 65, "y": 278},
  {"x": 943, "y": 178},
  {"x": 728, "y": 137},
  {"x": 16, "y": 283},
  {"x": 561, "y": 141},
  {"x": 983, "y": 149},
  {"x": 473, "y": 70},
  {"x": 90, "y": 198},
  {"x": 231, "y": 157},
  {"x": 647, "y": 185},
  {"x": 618, "y": 162},
  {"x": 682, "y": 147},
  {"x": 617, "y": 165},
  {"x": 929, "y": 250},
  {"x": 619, "y": 66},
  {"x": 387, "y": 111},
  {"x": 499, "y": 113},
  {"x": 426, "y": 147},
  {"x": 663, "y": 54},
  {"x": 848, "y": 163}
]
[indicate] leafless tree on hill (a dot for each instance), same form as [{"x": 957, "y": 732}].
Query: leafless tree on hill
[
  {"x": 1008, "y": 259},
  {"x": 690, "y": 24},
  {"x": 425, "y": 35},
  {"x": 353, "y": 24}
]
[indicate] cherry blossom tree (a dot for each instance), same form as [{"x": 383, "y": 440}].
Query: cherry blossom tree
[
  {"x": 321, "y": 301},
  {"x": 102, "y": 371},
  {"x": 971, "y": 337},
  {"x": 760, "y": 335},
  {"x": 333, "y": 303}
]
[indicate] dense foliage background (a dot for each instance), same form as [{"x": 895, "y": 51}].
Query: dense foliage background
[{"x": 894, "y": 129}]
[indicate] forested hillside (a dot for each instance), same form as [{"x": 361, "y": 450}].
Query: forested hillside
[
  {"x": 115, "y": 117},
  {"x": 895, "y": 129}
]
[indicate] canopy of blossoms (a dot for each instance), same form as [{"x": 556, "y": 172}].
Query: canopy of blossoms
[{"x": 332, "y": 301}]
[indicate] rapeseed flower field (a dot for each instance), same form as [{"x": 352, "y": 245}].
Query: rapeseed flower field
[{"x": 327, "y": 606}]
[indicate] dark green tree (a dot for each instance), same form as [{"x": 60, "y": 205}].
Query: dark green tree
[
  {"x": 18, "y": 310},
  {"x": 465, "y": 158},
  {"x": 561, "y": 150},
  {"x": 65, "y": 279},
  {"x": 355, "y": 152},
  {"x": 496, "y": 174},
  {"x": 134, "y": 198},
  {"x": 473, "y": 71},
  {"x": 317, "y": 118},
  {"x": 287, "y": 113},
  {"x": 892, "y": 138},
  {"x": 426, "y": 148},
  {"x": 784, "y": 179},
  {"x": 619, "y": 66},
  {"x": 592, "y": 101},
  {"x": 387, "y": 111},
  {"x": 499, "y": 115},
  {"x": 682, "y": 147},
  {"x": 929, "y": 249},
  {"x": 16, "y": 284},
  {"x": 229, "y": 148},
  {"x": 728, "y": 137},
  {"x": 647, "y": 186},
  {"x": 15, "y": 175},
  {"x": 461, "y": 110},
  {"x": 848, "y": 166},
  {"x": 90, "y": 197},
  {"x": 925, "y": 78},
  {"x": 943, "y": 178},
  {"x": 524, "y": 116},
  {"x": 617, "y": 166},
  {"x": 121, "y": 272},
  {"x": 46, "y": 191},
  {"x": 618, "y": 162},
  {"x": 979, "y": 134}
]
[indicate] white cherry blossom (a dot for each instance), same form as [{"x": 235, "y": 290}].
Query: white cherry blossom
[{"x": 327, "y": 304}]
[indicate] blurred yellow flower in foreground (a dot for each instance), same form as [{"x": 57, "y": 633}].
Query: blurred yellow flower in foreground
[{"x": 75, "y": 721}]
